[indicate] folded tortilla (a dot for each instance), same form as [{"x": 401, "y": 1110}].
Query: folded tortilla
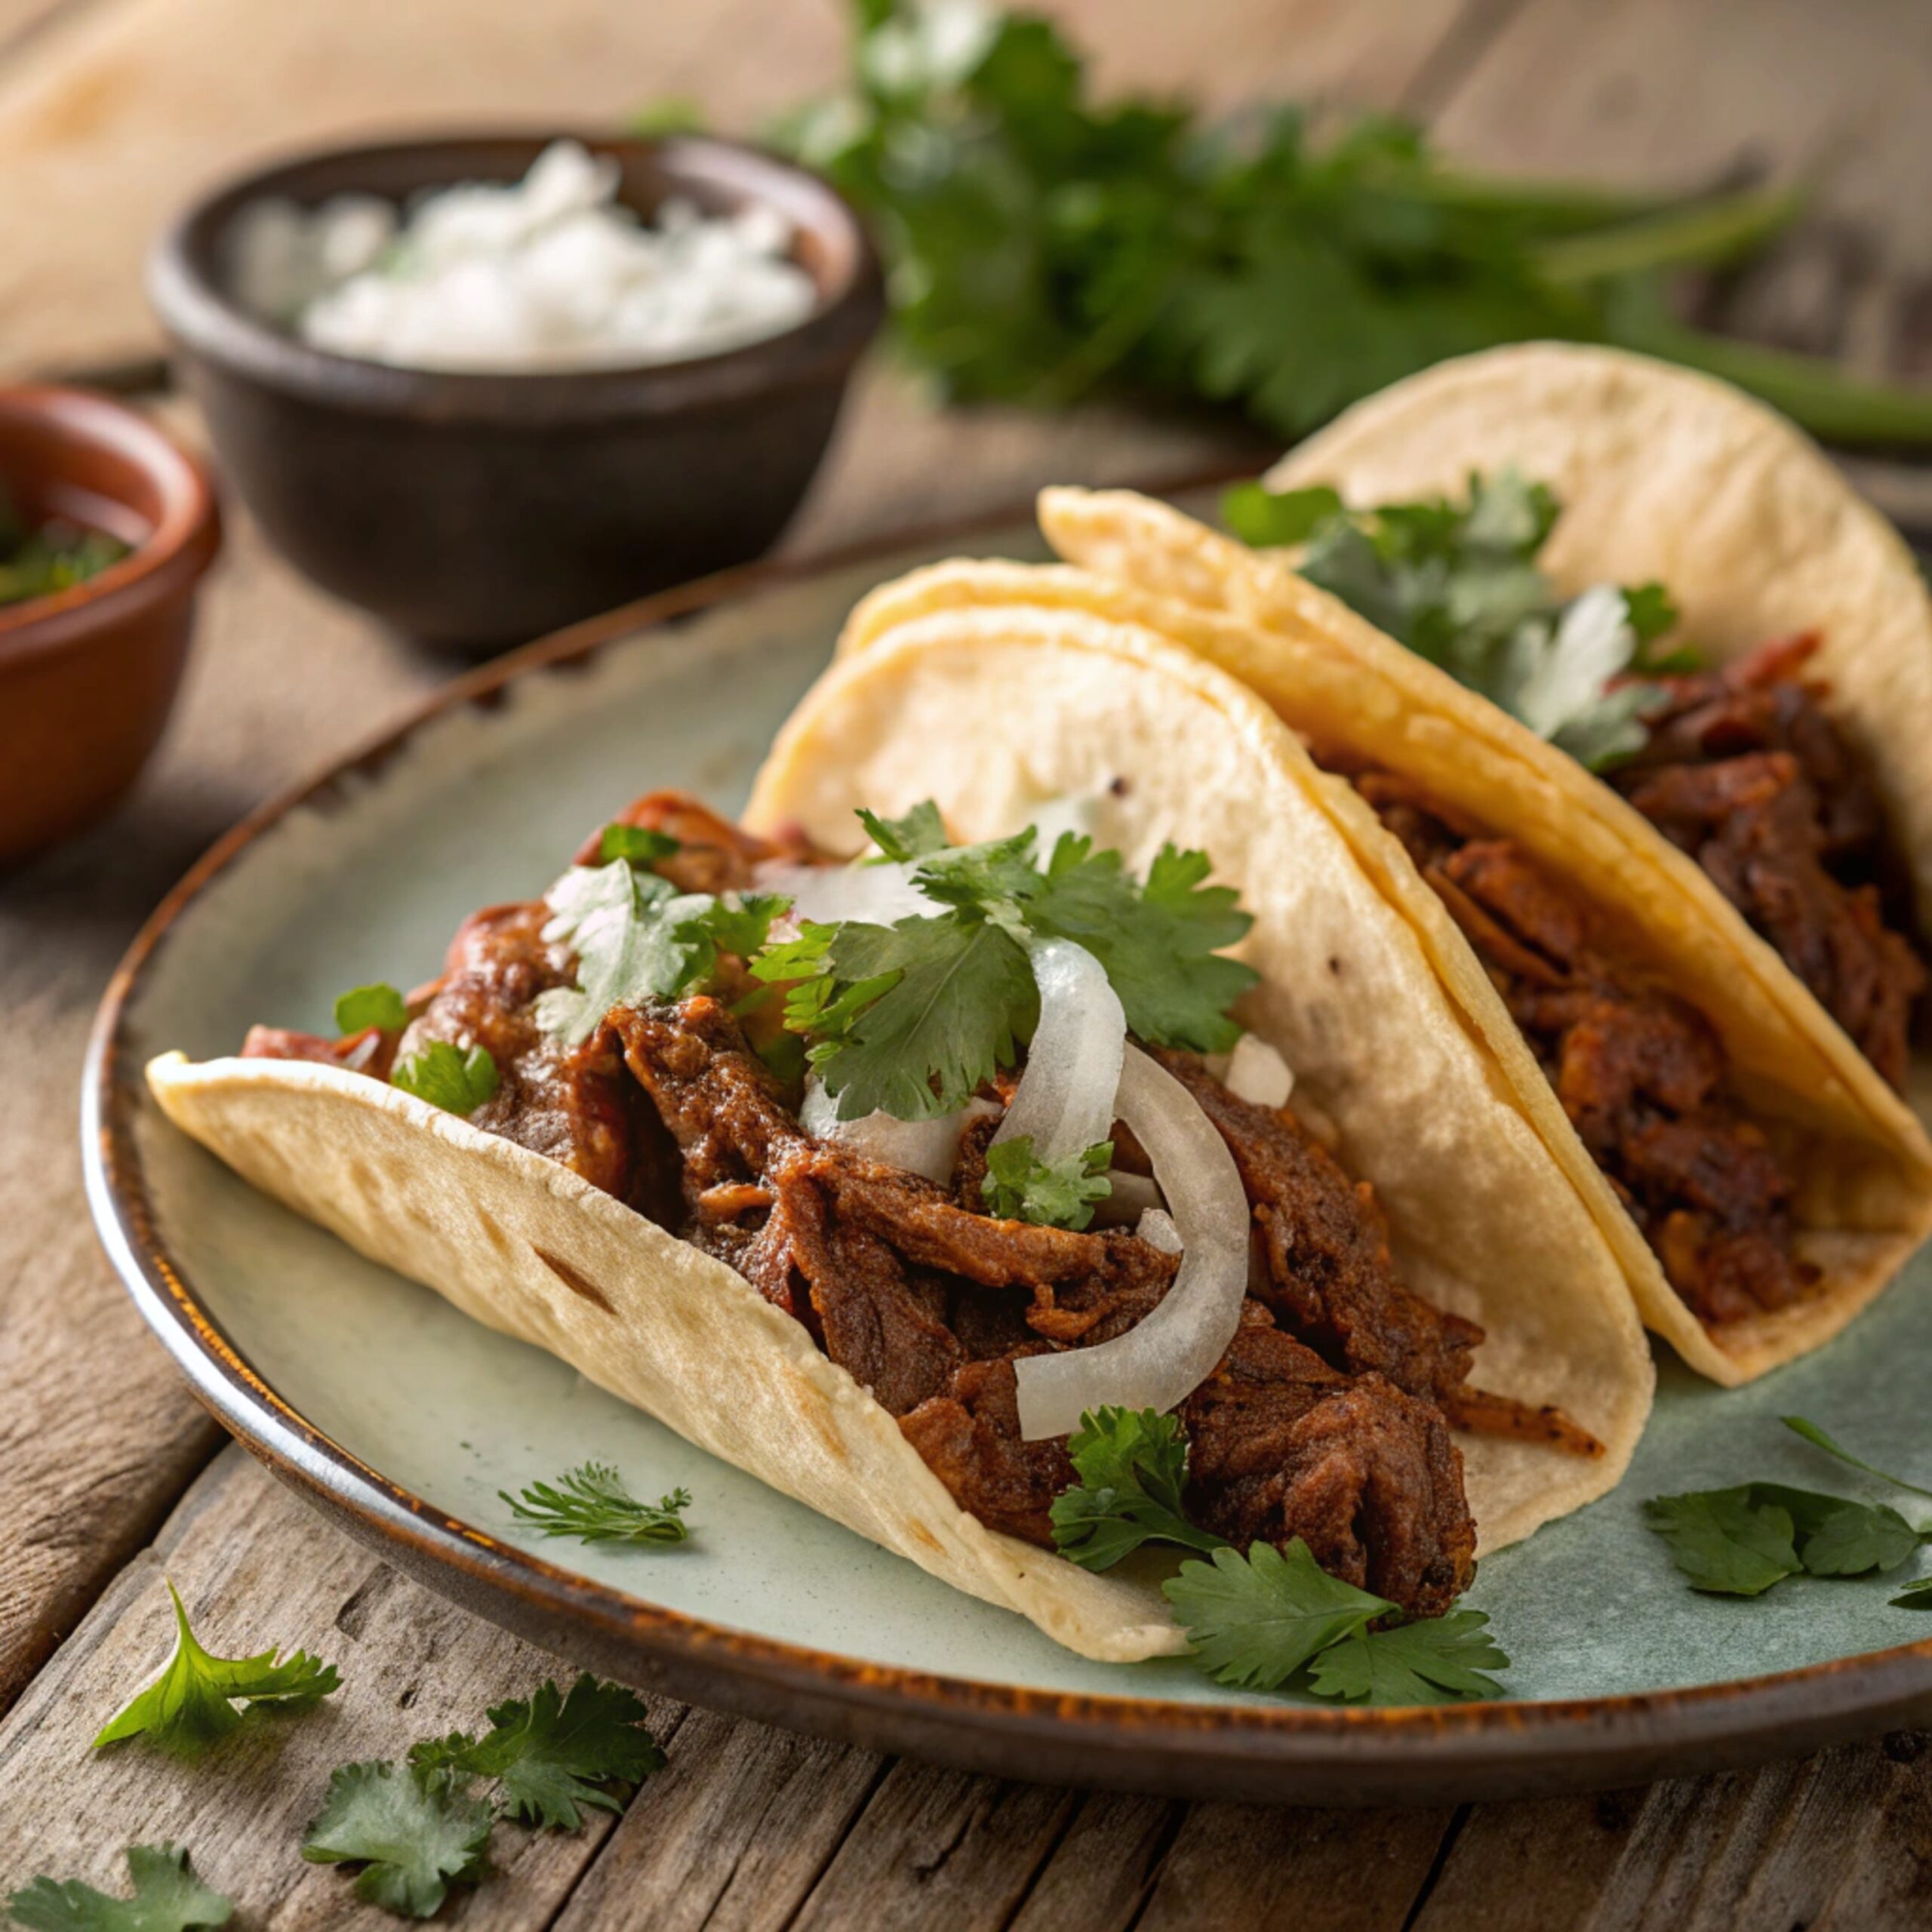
[
  {"x": 1863, "y": 1161},
  {"x": 992, "y": 719}
]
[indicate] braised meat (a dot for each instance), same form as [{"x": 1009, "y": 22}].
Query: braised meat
[
  {"x": 1744, "y": 770},
  {"x": 1640, "y": 1073}
]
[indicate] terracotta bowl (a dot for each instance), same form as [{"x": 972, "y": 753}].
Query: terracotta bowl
[
  {"x": 478, "y": 510},
  {"x": 87, "y": 678}
]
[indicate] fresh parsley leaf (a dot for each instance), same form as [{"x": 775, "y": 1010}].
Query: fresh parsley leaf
[
  {"x": 167, "y": 1897},
  {"x": 447, "y": 1076},
  {"x": 1915, "y": 1596},
  {"x": 378, "y": 1006},
  {"x": 1019, "y": 1186},
  {"x": 191, "y": 1703},
  {"x": 552, "y": 1753},
  {"x": 1276, "y": 519},
  {"x": 1430, "y": 1662},
  {"x": 1255, "y": 1620},
  {"x": 919, "y": 831},
  {"x": 592, "y": 1504},
  {"x": 1840, "y": 1538},
  {"x": 1132, "y": 1465},
  {"x": 1725, "y": 1542},
  {"x": 415, "y": 1833},
  {"x": 635, "y": 844},
  {"x": 1816, "y": 1437},
  {"x": 1160, "y": 942}
]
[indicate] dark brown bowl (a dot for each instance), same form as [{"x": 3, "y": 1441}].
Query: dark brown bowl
[
  {"x": 88, "y": 677},
  {"x": 477, "y": 510}
]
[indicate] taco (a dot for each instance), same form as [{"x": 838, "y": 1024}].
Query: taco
[
  {"x": 1015, "y": 1185},
  {"x": 1626, "y": 937}
]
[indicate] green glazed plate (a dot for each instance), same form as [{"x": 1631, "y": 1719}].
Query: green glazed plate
[{"x": 403, "y": 1420}]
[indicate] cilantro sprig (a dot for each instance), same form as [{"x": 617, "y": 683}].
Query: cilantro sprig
[
  {"x": 413, "y": 1832},
  {"x": 592, "y": 1503},
  {"x": 1743, "y": 1540},
  {"x": 1018, "y": 1185},
  {"x": 911, "y": 1019},
  {"x": 458, "y": 1079},
  {"x": 1267, "y": 1617},
  {"x": 1459, "y": 584},
  {"x": 191, "y": 1705},
  {"x": 167, "y": 1897}
]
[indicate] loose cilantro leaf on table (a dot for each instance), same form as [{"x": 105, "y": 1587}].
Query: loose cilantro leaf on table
[
  {"x": 414, "y": 1831},
  {"x": 635, "y": 844},
  {"x": 1132, "y": 1465},
  {"x": 1255, "y": 1620},
  {"x": 1428, "y": 1662},
  {"x": 552, "y": 1754},
  {"x": 1019, "y": 1186},
  {"x": 458, "y": 1080},
  {"x": 592, "y": 1504},
  {"x": 191, "y": 1703},
  {"x": 378, "y": 1006},
  {"x": 167, "y": 1897},
  {"x": 637, "y": 938},
  {"x": 1459, "y": 584}
]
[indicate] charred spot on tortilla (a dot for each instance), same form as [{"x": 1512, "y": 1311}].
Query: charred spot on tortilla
[
  {"x": 1329, "y": 1415},
  {"x": 573, "y": 1278}
]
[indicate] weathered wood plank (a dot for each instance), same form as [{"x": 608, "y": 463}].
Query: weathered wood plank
[{"x": 1101, "y": 1872}]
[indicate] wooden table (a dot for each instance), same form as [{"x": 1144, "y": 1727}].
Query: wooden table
[{"x": 109, "y": 1475}]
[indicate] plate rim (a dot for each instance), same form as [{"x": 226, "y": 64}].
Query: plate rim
[{"x": 1497, "y": 1746}]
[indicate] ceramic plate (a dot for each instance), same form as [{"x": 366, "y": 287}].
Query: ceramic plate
[{"x": 403, "y": 1420}]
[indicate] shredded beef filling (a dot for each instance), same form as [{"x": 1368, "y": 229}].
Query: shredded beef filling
[
  {"x": 1640, "y": 1073},
  {"x": 1745, "y": 772},
  {"x": 1327, "y": 1418}
]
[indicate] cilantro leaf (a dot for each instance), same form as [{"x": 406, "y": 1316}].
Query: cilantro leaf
[
  {"x": 191, "y": 1703},
  {"x": 592, "y": 1504},
  {"x": 447, "y": 1076},
  {"x": 415, "y": 1833},
  {"x": 1160, "y": 942},
  {"x": 919, "y": 831},
  {"x": 1275, "y": 519},
  {"x": 378, "y": 1006},
  {"x": 167, "y": 1897},
  {"x": 1915, "y": 1596},
  {"x": 1430, "y": 1662},
  {"x": 1845, "y": 1539},
  {"x": 552, "y": 1754},
  {"x": 1132, "y": 1465},
  {"x": 1725, "y": 1542},
  {"x": 1650, "y": 613},
  {"x": 1019, "y": 1186},
  {"x": 1816, "y": 1437},
  {"x": 637, "y": 938},
  {"x": 1254, "y": 1621},
  {"x": 635, "y": 844},
  {"x": 996, "y": 877},
  {"x": 919, "y": 1014}
]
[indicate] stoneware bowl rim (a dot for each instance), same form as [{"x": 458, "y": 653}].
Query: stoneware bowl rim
[
  {"x": 187, "y": 291},
  {"x": 177, "y": 550},
  {"x": 1298, "y": 1753}
]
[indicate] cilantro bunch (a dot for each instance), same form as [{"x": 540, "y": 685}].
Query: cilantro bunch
[
  {"x": 911, "y": 1019},
  {"x": 1460, "y": 584},
  {"x": 1042, "y": 244}
]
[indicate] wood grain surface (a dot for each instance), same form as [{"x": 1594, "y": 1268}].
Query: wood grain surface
[{"x": 110, "y": 110}]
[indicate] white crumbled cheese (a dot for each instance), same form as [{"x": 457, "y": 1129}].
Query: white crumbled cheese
[{"x": 551, "y": 274}]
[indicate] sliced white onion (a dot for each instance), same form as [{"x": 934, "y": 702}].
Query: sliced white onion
[
  {"x": 1257, "y": 1073},
  {"x": 928, "y": 1147},
  {"x": 1164, "y": 1358},
  {"x": 1157, "y": 1230},
  {"x": 1064, "y": 1102},
  {"x": 877, "y": 893}
]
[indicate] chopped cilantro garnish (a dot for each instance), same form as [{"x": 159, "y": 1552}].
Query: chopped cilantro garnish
[
  {"x": 1019, "y": 1186},
  {"x": 553, "y": 1755},
  {"x": 1132, "y": 1465},
  {"x": 637, "y": 938},
  {"x": 378, "y": 1006},
  {"x": 414, "y": 1832},
  {"x": 635, "y": 844},
  {"x": 191, "y": 1703},
  {"x": 167, "y": 1897},
  {"x": 1460, "y": 585},
  {"x": 911, "y": 1019},
  {"x": 458, "y": 1079},
  {"x": 592, "y": 1504}
]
